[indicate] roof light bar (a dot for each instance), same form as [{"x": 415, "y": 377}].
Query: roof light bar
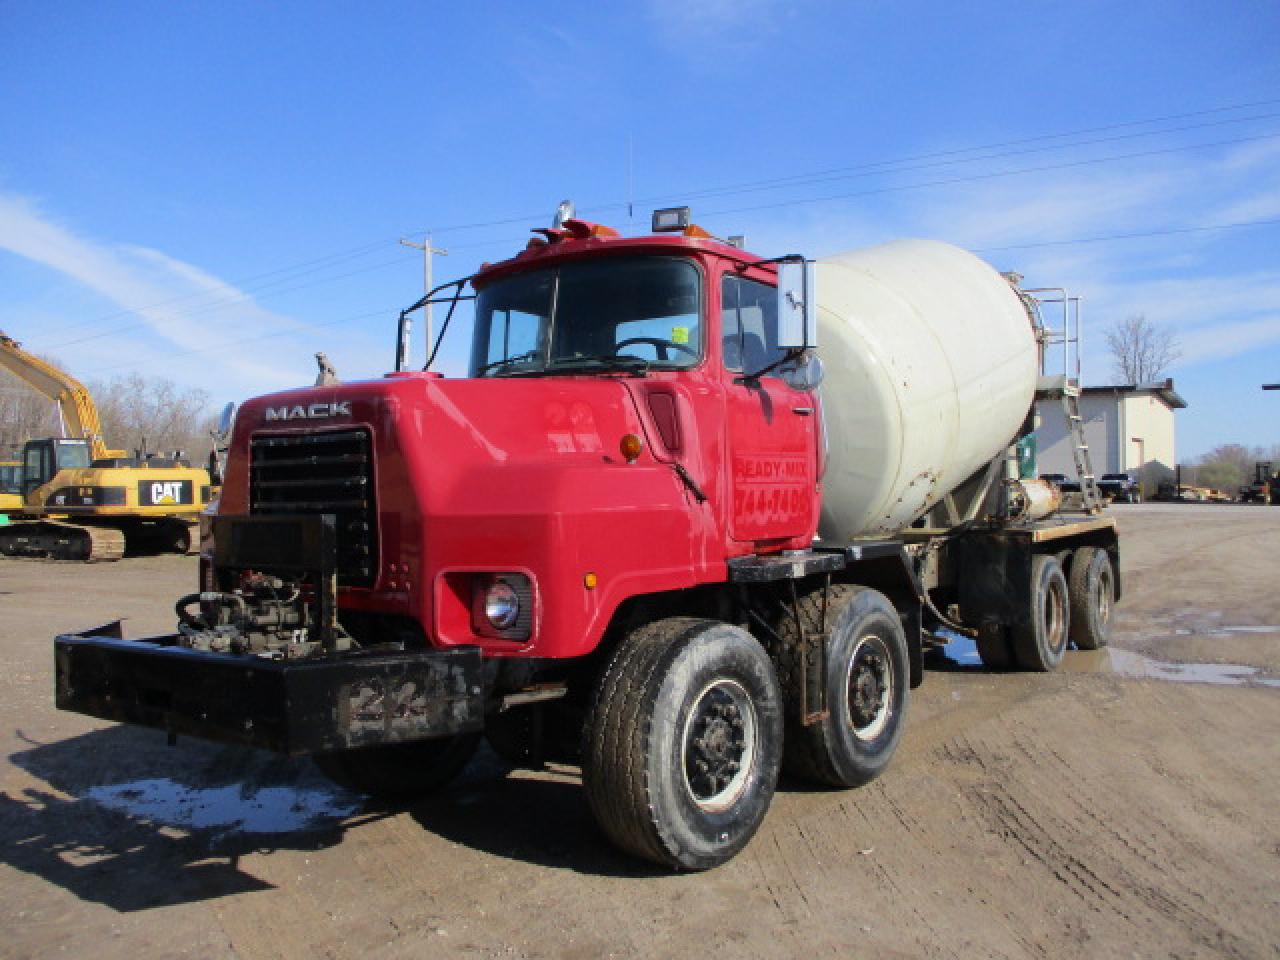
[{"x": 670, "y": 219}]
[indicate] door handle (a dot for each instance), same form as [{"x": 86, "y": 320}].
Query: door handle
[{"x": 802, "y": 411}]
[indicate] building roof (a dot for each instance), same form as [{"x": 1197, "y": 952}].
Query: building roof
[{"x": 1160, "y": 388}]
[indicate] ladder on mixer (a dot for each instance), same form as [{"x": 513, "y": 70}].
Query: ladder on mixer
[
  {"x": 1065, "y": 386},
  {"x": 1068, "y": 392}
]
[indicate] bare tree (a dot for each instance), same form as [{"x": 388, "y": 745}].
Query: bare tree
[
  {"x": 136, "y": 412},
  {"x": 24, "y": 414},
  {"x": 1227, "y": 466},
  {"x": 1230, "y": 466},
  {"x": 154, "y": 413},
  {"x": 1140, "y": 351}
]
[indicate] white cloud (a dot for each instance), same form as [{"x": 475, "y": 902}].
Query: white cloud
[
  {"x": 172, "y": 300},
  {"x": 704, "y": 28},
  {"x": 1251, "y": 156},
  {"x": 1229, "y": 339},
  {"x": 1216, "y": 308}
]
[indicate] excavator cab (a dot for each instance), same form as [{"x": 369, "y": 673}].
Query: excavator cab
[{"x": 42, "y": 459}]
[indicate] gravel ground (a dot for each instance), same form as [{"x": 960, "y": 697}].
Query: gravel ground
[{"x": 1122, "y": 807}]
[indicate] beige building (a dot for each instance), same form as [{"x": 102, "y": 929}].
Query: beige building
[{"x": 1126, "y": 428}]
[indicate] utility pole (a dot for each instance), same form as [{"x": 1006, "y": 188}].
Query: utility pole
[{"x": 427, "y": 250}]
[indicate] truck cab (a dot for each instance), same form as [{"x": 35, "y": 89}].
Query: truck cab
[
  {"x": 599, "y": 547},
  {"x": 627, "y": 427}
]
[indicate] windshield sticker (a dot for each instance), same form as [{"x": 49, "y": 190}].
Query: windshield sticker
[{"x": 679, "y": 334}]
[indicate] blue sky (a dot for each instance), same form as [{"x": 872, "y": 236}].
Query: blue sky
[{"x": 211, "y": 192}]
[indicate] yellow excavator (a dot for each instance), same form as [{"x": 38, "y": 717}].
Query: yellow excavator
[{"x": 79, "y": 500}]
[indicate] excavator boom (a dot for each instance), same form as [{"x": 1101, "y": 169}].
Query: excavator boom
[{"x": 79, "y": 412}]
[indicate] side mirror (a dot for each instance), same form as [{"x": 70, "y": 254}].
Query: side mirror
[
  {"x": 797, "y": 306},
  {"x": 805, "y": 373},
  {"x": 226, "y": 420}
]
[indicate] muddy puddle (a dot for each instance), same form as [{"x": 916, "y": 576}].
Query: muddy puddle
[
  {"x": 235, "y": 808},
  {"x": 960, "y": 654}
]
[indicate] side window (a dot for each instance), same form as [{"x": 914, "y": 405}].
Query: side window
[{"x": 749, "y": 322}]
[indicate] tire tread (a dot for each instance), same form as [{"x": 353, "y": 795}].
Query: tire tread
[
  {"x": 617, "y": 742},
  {"x": 807, "y": 755}
]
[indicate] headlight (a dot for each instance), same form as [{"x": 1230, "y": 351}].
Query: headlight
[{"x": 501, "y": 605}]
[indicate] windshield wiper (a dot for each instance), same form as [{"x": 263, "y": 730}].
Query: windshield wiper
[
  {"x": 606, "y": 361},
  {"x": 506, "y": 361}
]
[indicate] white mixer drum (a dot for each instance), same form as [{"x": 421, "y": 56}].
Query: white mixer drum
[{"x": 931, "y": 366}]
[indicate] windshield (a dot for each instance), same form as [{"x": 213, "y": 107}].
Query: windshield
[
  {"x": 618, "y": 313},
  {"x": 10, "y": 478},
  {"x": 73, "y": 455}
]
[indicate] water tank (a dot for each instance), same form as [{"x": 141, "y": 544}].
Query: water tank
[{"x": 931, "y": 364}]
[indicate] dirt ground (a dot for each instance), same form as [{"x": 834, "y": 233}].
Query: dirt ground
[{"x": 1123, "y": 807}]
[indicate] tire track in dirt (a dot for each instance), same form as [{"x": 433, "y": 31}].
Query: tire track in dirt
[{"x": 1025, "y": 810}]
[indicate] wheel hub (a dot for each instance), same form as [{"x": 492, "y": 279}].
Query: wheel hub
[
  {"x": 870, "y": 688},
  {"x": 717, "y": 742},
  {"x": 866, "y": 689}
]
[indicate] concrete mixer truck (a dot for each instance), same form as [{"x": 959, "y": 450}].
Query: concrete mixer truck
[{"x": 693, "y": 517}]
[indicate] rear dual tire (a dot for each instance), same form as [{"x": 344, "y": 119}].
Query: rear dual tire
[
  {"x": 1040, "y": 640},
  {"x": 1091, "y": 587},
  {"x": 865, "y": 687}
]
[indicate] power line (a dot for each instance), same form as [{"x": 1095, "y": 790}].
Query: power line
[
  {"x": 327, "y": 260},
  {"x": 991, "y": 146},
  {"x": 240, "y": 341},
  {"x": 1024, "y": 246},
  {"x": 989, "y": 176},
  {"x": 218, "y": 305},
  {"x": 869, "y": 170},
  {"x": 1132, "y": 236},
  {"x": 880, "y": 190},
  {"x": 324, "y": 262},
  {"x": 690, "y": 194}
]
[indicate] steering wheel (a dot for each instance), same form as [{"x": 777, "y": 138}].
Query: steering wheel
[{"x": 658, "y": 344}]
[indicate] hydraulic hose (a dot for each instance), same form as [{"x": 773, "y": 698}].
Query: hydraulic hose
[{"x": 180, "y": 608}]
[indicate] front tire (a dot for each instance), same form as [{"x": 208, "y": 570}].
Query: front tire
[
  {"x": 683, "y": 742},
  {"x": 1040, "y": 640},
  {"x": 866, "y": 688},
  {"x": 400, "y": 772}
]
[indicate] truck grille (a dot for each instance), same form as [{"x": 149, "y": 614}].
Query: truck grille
[{"x": 322, "y": 473}]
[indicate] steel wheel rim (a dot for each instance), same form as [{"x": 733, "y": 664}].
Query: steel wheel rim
[
  {"x": 718, "y": 745},
  {"x": 1055, "y": 619},
  {"x": 870, "y": 685},
  {"x": 1105, "y": 594}
]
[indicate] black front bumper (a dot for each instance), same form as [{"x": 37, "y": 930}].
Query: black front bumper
[{"x": 293, "y": 707}]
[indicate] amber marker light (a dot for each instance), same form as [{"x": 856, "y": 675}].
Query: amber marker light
[
  {"x": 590, "y": 581},
  {"x": 630, "y": 446}
]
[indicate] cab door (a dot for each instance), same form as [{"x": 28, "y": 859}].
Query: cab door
[
  {"x": 772, "y": 428},
  {"x": 37, "y": 458}
]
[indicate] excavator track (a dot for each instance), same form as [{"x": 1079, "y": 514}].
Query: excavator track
[{"x": 49, "y": 540}]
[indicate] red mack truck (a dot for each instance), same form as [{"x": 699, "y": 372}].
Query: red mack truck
[{"x": 694, "y": 517}]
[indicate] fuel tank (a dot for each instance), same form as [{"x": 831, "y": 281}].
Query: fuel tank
[{"x": 931, "y": 362}]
